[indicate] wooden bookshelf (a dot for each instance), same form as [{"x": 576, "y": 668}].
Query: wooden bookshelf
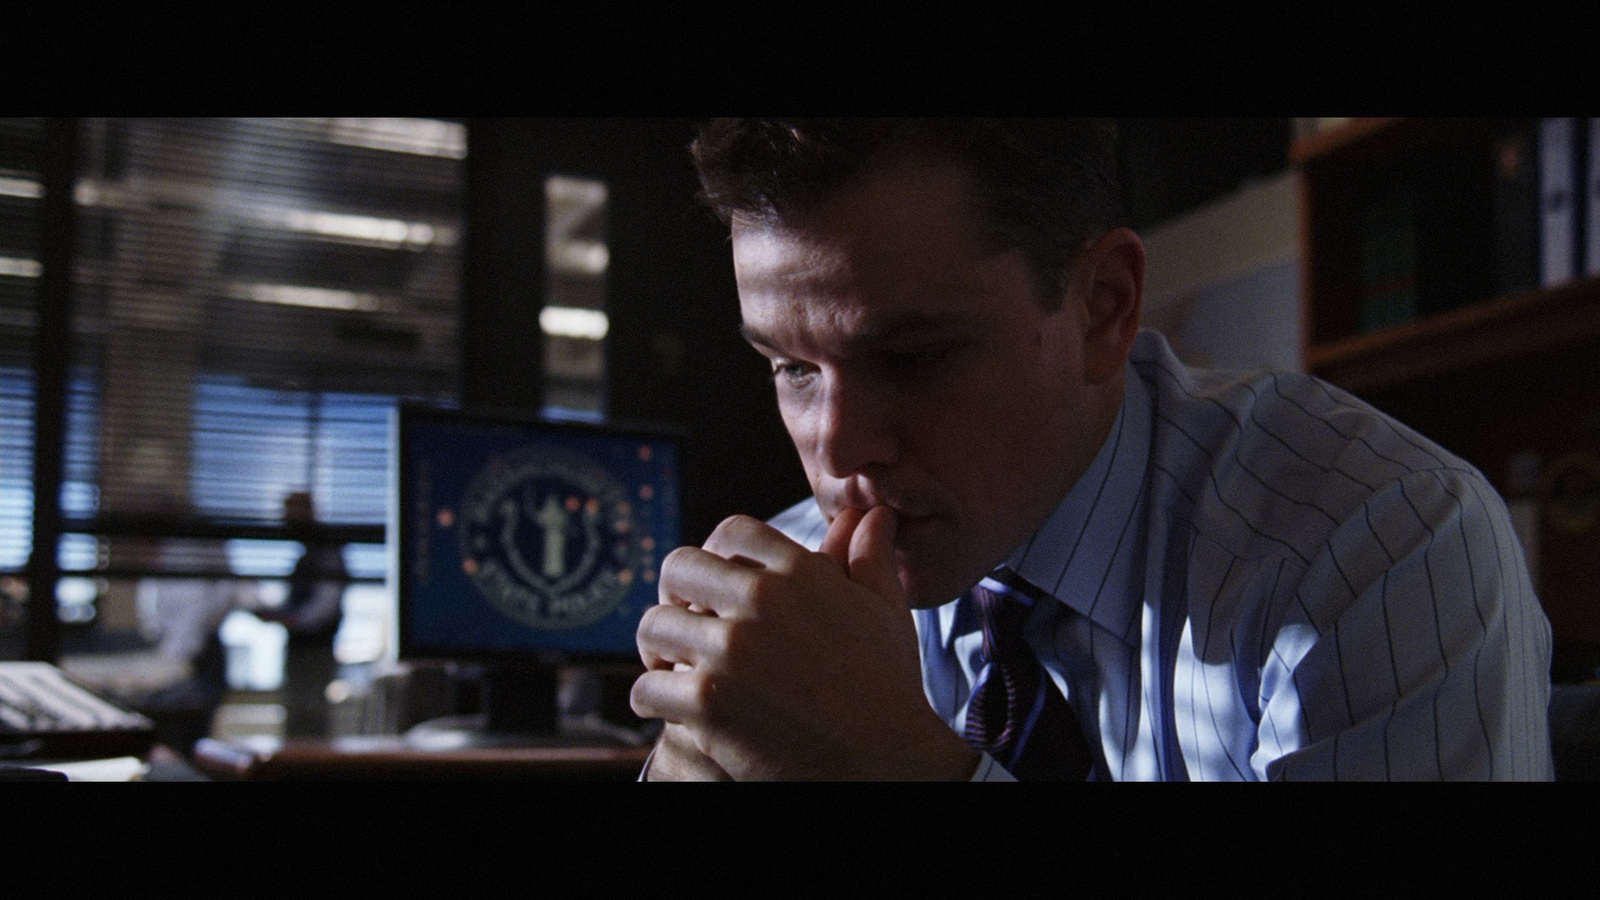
[
  {"x": 1520, "y": 325},
  {"x": 1495, "y": 378}
]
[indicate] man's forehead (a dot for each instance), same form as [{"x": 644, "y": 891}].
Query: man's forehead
[
  {"x": 892, "y": 212},
  {"x": 918, "y": 269},
  {"x": 894, "y": 260},
  {"x": 774, "y": 256},
  {"x": 793, "y": 292},
  {"x": 860, "y": 332}
]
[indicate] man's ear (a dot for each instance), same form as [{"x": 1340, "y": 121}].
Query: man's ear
[{"x": 1110, "y": 276}]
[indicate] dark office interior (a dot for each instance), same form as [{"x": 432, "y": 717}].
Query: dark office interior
[{"x": 199, "y": 317}]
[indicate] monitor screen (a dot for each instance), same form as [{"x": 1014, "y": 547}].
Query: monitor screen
[{"x": 526, "y": 540}]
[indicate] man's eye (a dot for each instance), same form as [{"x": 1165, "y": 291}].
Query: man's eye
[{"x": 792, "y": 374}]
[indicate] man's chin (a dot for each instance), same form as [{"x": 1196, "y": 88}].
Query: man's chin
[
  {"x": 923, "y": 554},
  {"x": 926, "y": 590}
]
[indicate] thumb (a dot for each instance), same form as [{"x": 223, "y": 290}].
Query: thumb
[{"x": 872, "y": 562}]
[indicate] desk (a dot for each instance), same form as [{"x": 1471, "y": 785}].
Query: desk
[
  {"x": 159, "y": 764},
  {"x": 390, "y": 758}
]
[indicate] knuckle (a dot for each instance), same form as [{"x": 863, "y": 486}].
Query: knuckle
[
  {"x": 703, "y": 693},
  {"x": 765, "y": 591},
  {"x": 726, "y": 532},
  {"x": 818, "y": 565},
  {"x": 647, "y": 622},
  {"x": 640, "y": 698},
  {"x": 731, "y": 640},
  {"x": 676, "y": 557},
  {"x": 652, "y": 630},
  {"x": 674, "y": 561}
]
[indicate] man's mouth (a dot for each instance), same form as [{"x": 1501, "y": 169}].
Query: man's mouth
[{"x": 907, "y": 509}]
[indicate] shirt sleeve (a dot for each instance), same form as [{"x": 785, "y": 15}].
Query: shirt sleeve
[
  {"x": 644, "y": 770},
  {"x": 1414, "y": 647}
]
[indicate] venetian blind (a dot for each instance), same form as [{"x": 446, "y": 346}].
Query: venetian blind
[
  {"x": 250, "y": 298},
  {"x": 21, "y": 193}
]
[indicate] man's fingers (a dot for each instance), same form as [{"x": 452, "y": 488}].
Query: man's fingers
[
  {"x": 836, "y": 543},
  {"x": 719, "y": 577},
  {"x": 678, "y": 758},
  {"x": 666, "y": 695},
  {"x": 703, "y": 580},
  {"x": 752, "y": 542},
  {"x": 683, "y": 697},
  {"x": 871, "y": 555},
  {"x": 670, "y": 634}
]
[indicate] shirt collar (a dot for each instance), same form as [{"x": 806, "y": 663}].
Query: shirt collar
[{"x": 1088, "y": 554}]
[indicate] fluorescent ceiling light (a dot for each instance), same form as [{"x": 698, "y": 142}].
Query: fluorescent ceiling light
[
  {"x": 11, "y": 186},
  {"x": 566, "y": 321},
  {"x": 363, "y": 229},
  {"x": 19, "y": 267},
  {"x": 581, "y": 257},
  {"x": 373, "y": 231},
  {"x": 423, "y": 137},
  {"x": 299, "y": 295},
  {"x": 576, "y": 191}
]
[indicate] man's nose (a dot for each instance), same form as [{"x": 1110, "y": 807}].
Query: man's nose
[{"x": 857, "y": 430}]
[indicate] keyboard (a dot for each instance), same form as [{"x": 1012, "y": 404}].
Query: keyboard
[{"x": 46, "y": 715}]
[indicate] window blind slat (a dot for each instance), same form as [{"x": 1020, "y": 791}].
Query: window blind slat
[{"x": 251, "y": 297}]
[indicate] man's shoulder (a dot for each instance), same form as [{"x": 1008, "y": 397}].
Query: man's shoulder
[
  {"x": 1281, "y": 418},
  {"x": 1281, "y": 451}
]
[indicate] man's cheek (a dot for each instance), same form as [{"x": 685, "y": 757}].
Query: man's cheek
[{"x": 806, "y": 447}]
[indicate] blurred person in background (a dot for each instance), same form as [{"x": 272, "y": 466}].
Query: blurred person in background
[{"x": 311, "y": 613}]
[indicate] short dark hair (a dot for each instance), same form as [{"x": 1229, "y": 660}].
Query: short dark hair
[{"x": 1042, "y": 186}]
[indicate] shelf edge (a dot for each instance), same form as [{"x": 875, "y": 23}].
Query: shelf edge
[
  {"x": 1506, "y": 327},
  {"x": 1316, "y": 146}
]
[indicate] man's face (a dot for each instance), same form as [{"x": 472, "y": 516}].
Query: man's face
[{"x": 916, "y": 369}]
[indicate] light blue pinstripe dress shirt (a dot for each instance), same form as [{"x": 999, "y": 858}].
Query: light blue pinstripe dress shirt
[{"x": 1260, "y": 577}]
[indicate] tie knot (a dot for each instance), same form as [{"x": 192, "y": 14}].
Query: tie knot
[
  {"x": 1003, "y": 615},
  {"x": 1015, "y": 712}
]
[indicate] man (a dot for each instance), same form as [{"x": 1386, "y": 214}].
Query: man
[
  {"x": 1225, "y": 577},
  {"x": 312, "y": 613}
]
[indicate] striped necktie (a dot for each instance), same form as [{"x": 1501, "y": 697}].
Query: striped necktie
[{"x": 1016, "y": 714}]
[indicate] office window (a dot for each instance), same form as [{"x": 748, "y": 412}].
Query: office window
[
  {"x": 251, "y": 296},
  {"x": 16, "y": 466},
  {"x": 331, "y": 443},
  {"x": 20, "y": 194},
  {"x": 574, "y": 319},
  {"x": 250, "y": 299}
]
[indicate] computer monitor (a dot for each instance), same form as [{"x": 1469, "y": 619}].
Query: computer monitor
[{"x": 523, "y": 545}]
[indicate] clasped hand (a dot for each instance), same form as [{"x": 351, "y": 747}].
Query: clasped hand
[{"x": 768, "y": 661}]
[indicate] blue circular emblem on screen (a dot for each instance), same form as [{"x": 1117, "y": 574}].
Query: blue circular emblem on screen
[{"x": 548, "y": 538}]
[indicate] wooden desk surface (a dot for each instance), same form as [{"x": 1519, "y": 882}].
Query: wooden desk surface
[{"x": 390, "y": 758}]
